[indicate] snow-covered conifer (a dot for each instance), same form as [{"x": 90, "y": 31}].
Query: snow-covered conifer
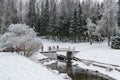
[
  {"x": 91, "y": 29},
  {"x": 115, "y": 44}
]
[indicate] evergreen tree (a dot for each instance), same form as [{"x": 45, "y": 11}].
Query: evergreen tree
[
  {"x": 1, "y": 14},
  {"x": 47, "y": 17},
  {"x": 44, "y": 20},
  {"x": 20, "y": 11},
  {"x": 37, "y": 24},
  {"x": 119, "y": 13},
  {"x": 62, "y": 25},
  {"x": 81, "y": 21},
  {"x": 99, "y": 11},
  {"x": 41, "y": 27},
  {"x": 115, "y": 43},
  {"x": 91, "y": 29},
  {"x": 31, "y": 16},
  {"x": 53, "y": 19},
  {"x": 73, "y": 28}
]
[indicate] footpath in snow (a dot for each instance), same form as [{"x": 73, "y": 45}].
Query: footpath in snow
[{"x": 16, "y": 67}]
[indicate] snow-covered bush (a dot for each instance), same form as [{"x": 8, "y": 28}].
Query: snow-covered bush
[
  {"x": 115, "y": 44},
  {"x": 22, "y": 36},
  {"x": 91, "y": 29}
]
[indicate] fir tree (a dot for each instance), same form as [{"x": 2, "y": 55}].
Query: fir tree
[
  {"x": 115, "y": 43},
  {"x": 81, "y": 21},
  {"x": 53, "y": 19},
  {"x": 73, "y": 28},
  {"x": 44, "y": 21},
  {"x": 31, "y": 16},
  {"x": 119, "y": 13}
]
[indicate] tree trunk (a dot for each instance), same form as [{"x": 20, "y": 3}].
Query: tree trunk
[
  {"x": 90, "y": 39},
  {"x": 24, "y": 51},
  {"x": 109, "y": 39},
  {"x": 108, "y": 36}
]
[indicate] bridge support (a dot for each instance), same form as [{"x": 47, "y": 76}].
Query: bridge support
[{"x": 69, "y": 67}]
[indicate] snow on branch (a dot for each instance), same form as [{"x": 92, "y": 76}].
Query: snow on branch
[{"x": 22, "y": 36}]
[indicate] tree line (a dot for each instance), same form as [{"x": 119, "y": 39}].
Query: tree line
[{"x": 64, "y": 20}]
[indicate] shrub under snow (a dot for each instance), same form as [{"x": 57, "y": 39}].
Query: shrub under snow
[{"x": 22, "y": 36}]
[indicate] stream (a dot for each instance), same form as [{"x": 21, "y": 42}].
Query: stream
[
  {"x": 64, "y": 65},
  {"x": 77, "y": 73}
]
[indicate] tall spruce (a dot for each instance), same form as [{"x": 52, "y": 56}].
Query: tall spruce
[
  {"x": 73, "y": 28},
  {"x": 47, "y": 17},
  {"x": 20, "y": 11},
  {"x": 62, "y": 25},
  {"x": 44, "y": 20},
  {"x": 53, "y": 19},
  {"x": 81, "y": 22},
  {"x": 31, "y": 16},
  {"x": 1, "y": 14},
  {"x": 119, "y": 13},
  {"x": 37, "y": 24},
  {"x": 41, "y": 20}
]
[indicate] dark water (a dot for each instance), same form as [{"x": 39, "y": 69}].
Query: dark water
[{"x": 77, "y": 73}]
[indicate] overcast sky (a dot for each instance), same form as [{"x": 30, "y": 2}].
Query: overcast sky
[
  {"x": 80, "y": 0},
  {"x": 95, "y": 0}
]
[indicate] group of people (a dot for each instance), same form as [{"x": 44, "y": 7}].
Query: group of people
[{"x": 50, "y": 48}]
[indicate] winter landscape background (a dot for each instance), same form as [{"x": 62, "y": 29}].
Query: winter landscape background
[{"x": 29, "y": 28}]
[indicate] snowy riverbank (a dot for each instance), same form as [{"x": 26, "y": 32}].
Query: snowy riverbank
[{"x": 98, "y": 52}]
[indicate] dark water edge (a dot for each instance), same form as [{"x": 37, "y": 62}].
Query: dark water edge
[{"x": 77, "y": 73}]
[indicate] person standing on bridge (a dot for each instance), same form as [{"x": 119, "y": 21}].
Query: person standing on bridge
[
  {"x": 49, "y": 48},
  {"x": 42, "y": 48},
  {"x": 57, "y": 47}
]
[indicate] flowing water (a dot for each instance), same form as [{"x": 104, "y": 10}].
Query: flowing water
[
  {"x": 77, "y": 73},
  {"x": 64, "y": 65}
]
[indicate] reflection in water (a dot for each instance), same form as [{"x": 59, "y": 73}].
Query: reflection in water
[
  {"x": 80, "y": 75},
  {"x": 75, "y": 72},
  {"x": 69, "y": 69}
]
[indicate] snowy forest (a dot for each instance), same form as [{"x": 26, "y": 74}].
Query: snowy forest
[
  {"x": 59, "y": 39},
  {"x": 65, "y": 20}
]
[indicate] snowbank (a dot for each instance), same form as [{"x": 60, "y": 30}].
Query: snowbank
[
  {"x": 15, "y": 67},
  {"x": 37, "y": 56}
]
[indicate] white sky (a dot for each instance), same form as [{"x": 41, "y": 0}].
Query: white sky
[
  {"x": 95, "y": 0},
  {"x": 80, "y": 0}
]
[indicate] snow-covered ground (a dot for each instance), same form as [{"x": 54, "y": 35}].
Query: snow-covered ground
[
  {"x": 16, "y": 67},
  {"x": 36, "y": 57},
  {"x": 99, "y": 52}
]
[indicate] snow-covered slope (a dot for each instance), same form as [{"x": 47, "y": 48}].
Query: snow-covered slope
[
  {"x": 16, "y": 67},
  {"x": 37, "y": 56}
]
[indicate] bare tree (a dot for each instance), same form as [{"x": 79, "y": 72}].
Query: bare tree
[{"x": 109, "y": 20}]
